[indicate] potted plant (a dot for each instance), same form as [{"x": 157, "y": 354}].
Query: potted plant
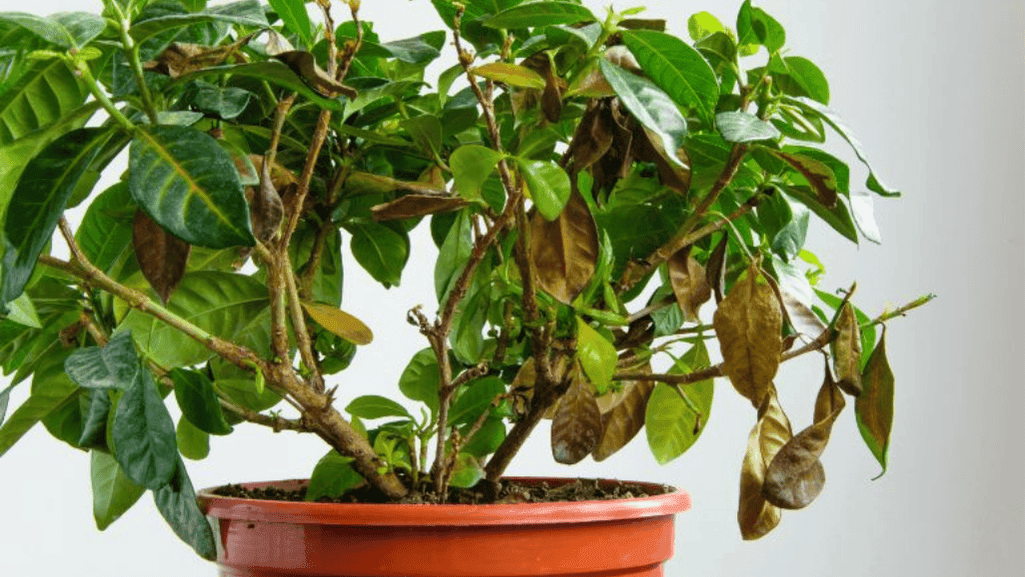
[{"x": 590, "y": 182}]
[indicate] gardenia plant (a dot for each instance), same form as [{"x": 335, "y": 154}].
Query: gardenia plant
[{"x": 590, "y": 180}]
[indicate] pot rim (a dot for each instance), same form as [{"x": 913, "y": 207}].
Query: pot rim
[{"x": 402, "y": 515}]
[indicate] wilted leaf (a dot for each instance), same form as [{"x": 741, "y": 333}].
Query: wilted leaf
[
  {"x": 576, "y": 428},
  {"x": 802, "y": 318},
  {"x": 673, "y": 170},
  {"x": 622, "y": 421},
  {"x": 565, "y": 251},
  {"x": 748, "y": 324},
  {"x": 340, "y": 323},
  {"x": 182, "y": 58},
  {"x": 416, "y": 205},
  {"x": 304, "y": 65},
  {"x": 690, "y": 284},
  {"x": 874, "y": 406},
  {"x": 820, "y": 177},
  {"x": 113, "y": 492},
  {"x": 266, "y": 210},
  {"x": 755, "y": 515},
  {"x": 715, "y": 271},
  {"x": 593, "y": 136},
  {"x": 162, "y": 257},
  {"x": 795, "y": 476},
  {"x": 847, "y": 351}
]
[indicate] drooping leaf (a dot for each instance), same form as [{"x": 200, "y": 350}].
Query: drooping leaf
[
  {"x": 380, "y": 250},
  {"x": 5, "y": 399},
  {"x": 416, "y": 205},
  {"x": 420, "y": 379},
  {"x": 474, "y": 399},
  {"x": 143, "y": 434},
  {"x": 874, "y": 406},
  {"x": 339, "y": 322},
  {"x": 748, "y": 324},
  {"x": 737, "y": 126},
  {"x": 304, "y": 65},
  {"x": 266, "y": 209},
  {"x": 198, "y": 401},
  {"x": 576, "y": 428},
  {"x": 193, "y": 443},
  {"x": 176, "y": 502},
  {"x": 376, "y": 407},
  {"x": 162, "y": 257},
  {"x": 565, "y": 252},
  {"x": 420, "y": 49},
  {"x": 95, "y": 414},
  {"x": 597, "y": 356},
  {"x": 548, "y": 184},
  {"x": 293, "y": 14},
  {"x": 453, "y": 255},
  {"x": 846, "y": 349},
  {"x": 802, "y": 317},
  {"x": 188, "y": 184},
  {"x": 245, "y": 12},
  {"x": 114, "y": 366},
  {"x": 756, "y": 516},
  {"x": 650, "y": 106},
  {"x": 113, "y": 492},
  {"x": 332, "y": 477},
  {"x": 471, "y": 165},
  {"x": 626, "y": 418},
  {"x": 38, "y": 202},
  {"x": 677, "y": 68},
  {"x": 689, "y": 282},
  {"x": 65, "y": 29},
  {"x": 673, "y": 423},
  {"x": 864, "y": 216},
  {"x": 280, "y": 74},
  {"x": 537, "y": 14},
  {"x": 838, "y": 217},
  {"x": 50, "y": 390},
  {"x": 511, "y": 74},
  {"x": 795, "y": 476}
]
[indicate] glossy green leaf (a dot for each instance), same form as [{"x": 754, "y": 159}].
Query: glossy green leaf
[
  {"x": 474, "y": 399},
  {"x": 755, "y": 26},
  {"x": 23, "y": 312},
  {"x": 673, "y": 423},
  {"x": 650, "y": 106},
  {"x": 420, "y": 49},
  {"x": 43, "y": 94},
  {"x": 703, "y": 24},
  {"x": 380, "y": 250},
  {"x": 245, "y": 13},
  {"x": 176, "y": 502},
  {"x": 332, "y": 477},
  {"x": 95, "y": 410},
  {"x": 471, "y": 165},
  {"x": 105, "y": 234},
  {"x": 420, "y": 379},
  {"x": 272, "y": 71},
  {"x": 143, "y": 433},
  {"x": 874, "y": 406},
  {"x": 548, "y": 184},
  {"x": 597, "y": 356},
  {"x": 188, "y": 184},
  {"x": 466, "y": 338},
  {"x": 51, "y": 388},
  {"x": 376, "y": 407},
  {"x": 838, "y": 217},
  {"x": 38, "y": 202},
  {"x": 487, "y": 440},
  {"x": 65, "y": 29},
  {"x": 193, "y": 444},
  {"x": 113, "y": 492},
  {"x": 198, "y": 401},
  {"x": 677, "y": 68},
  {"x": 467, "y": 472},
  {"x": 511, "y": 74},
  {"x": 803, "y": 78},
  {"x": 293, "y": 14},
  {"x": 536, "y": 14},
  {"x": 740, "y": 126}
]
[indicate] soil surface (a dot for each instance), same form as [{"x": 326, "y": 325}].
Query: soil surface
[{"x": 507, "y": 492}]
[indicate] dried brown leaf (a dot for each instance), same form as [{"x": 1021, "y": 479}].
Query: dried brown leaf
[
  {"x": 181, "y": 58},
  {"x": 592, "y": 138},
  {"x": 623, "y": 416},
  {"x": 847, "y": 351},
  {"x": 576, "y": 428},
  {"x": 690, "y": 285},
  {"x": 756, "y": 516},
  {"x": 416, "y": 205},
  {"x": 715, "y": 271},
  {"x": 266, "y": 210},
  {"x": 551, "y": 97},
  {"x": 339, "y": 322},
  {"x": 618, "y": 160},
  {"x": 305, "y": 66},
  {"x": 802, "y": 318},
  {"x": 162, "y": 257},
  {"x": 365, "y": 183},
  {"x": 564, "y": 251},
  {"x": 748, "y": 324}
]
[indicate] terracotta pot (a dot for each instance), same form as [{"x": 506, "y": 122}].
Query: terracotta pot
[{"x": 621, "y": 538}]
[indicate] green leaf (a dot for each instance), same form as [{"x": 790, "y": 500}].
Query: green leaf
[
  {"x": 193, "y": 443},
  {"x": 105, "y": 234},
  {"x": 471, "y": 314},
  {"x": 198, "y": 401},
  {"x": 838, "y": 217},
  {"x": 471, "y": 165},
  {"x": 177, "y": 504},
  {"x": 43, "y": 94},
  {"x": 114, "y": 366},
  {"x": 511, "y": 74},
  {"x": 874, "y": 406},
  {"x": 467, "y": 472},
  {"x": 51, "y": 388},
  {"x": 380, "y": 250},
  {"x": 537, "y": 14},
  {"x": 673, "y": 424},
  {"x": 421, "y": 49},
  {"x": 332, "y": 477},
  {"x": 755, "y": 26},
  {"x": 143, "y": 433},
  {"x": 66, "y": 29},
  {"x": 597, "y": 356},
  {"x": 703, "y": 24},
  {"x": 474, "y": 399},
  {"x": 548, "y": 184},
  {"x": 24, "y": 312},
  {"x": 420, "y": 379},
  {"x": 246, "y": 13},
  {"x": 293, "y": 14},
  {"x": 38, "y": 203},
  {"x": 677, "y": 68},
  {"x": 487, "y": 440},
  {"x": 273, "y": 71},
  {"x": 819, "y": 176},
  {"x": 5, "y": 399},
  {"x": 376, "y": 407},
  {"x": 650, "y": 106},
  {"x": 245, "y": 394},
  {"x": 113, "y": 492},
  {"x": 803, "y": 78},
  {"x": 95, "y": 412},
  {"x": 188, "y": 184},
  {"x": 453, "y": 255},
  {"x": 225, "y": 103},
  {"x": 740, "y": 126}
]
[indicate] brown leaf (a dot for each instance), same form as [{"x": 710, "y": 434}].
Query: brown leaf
[
  {"x": 623, "y": 416},
  {"x": 649, "y": 148},
  {"x": 819, "y": 176},
  {"x": 564, "y": 252},
  {"x": 748, "y": 324},
  {"x": 715, "y": 272},
  {"x": 643, "y": 24},
  {"x": 622, "y": 57},
  {"x": 576, "y": 428},
  {"x": 305, "y": 66},
  {"x": 592, "y": 138},
  {"x": 755, "y": 515},
  {"x": 281, "y": 177},
  {"x": 181, "y": 58},
  {"x": 795, "y": 476},
  {"x": 551, "y": 97},
  {"x": 874, "y": 406},
  {"x": 847, "y": 351},
  {"x": 618, "y": 159},
  {"x": 266, "y": 210},
  {"x": 365, "y": 183},
  {"x": 162, "y": 257},
  {"x": 689, "y": 282},
  {"x": 339, "y": 322},
  {"x": 416, "y": 205},
  {"x": 802, "y": 318}
]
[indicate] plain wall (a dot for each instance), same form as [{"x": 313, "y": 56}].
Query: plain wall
[{"x": 934, "y": 91}]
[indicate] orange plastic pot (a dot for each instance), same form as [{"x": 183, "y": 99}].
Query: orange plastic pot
[{"x": 621, "y": 538}]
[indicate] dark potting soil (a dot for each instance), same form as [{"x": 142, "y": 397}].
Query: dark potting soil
[{"x": 508, "y": 492}]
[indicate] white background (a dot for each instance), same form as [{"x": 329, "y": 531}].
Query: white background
[{"x": 934, "y": 91}]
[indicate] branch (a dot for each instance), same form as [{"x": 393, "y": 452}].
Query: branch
[{"x": 920, "y": 301}]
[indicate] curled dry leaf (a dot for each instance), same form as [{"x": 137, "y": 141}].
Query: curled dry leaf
[
  {"x": 715, "y": 272},
  {"x": 847, "y": 351},
  {"x": 801, "y": 317},
  {"x": 162, "y": 257},
  {"x": 366, "y": 183},
  {"x": 756, "y": 516},
  {"x": 266, "y": 208},
  {"x": 416, "y": 205},
  {"x": 576, "y": 428},
  {"x": 525, "y": 381},
  {"x": 795, "y": 476},
  {"x": 564, "y": 252},
  {"x": 622, "y": 416},
  {"x": 551, "y": 97},
  {"x": 181, "y": 58},
  {"x": 305, "y": 66},
  {"x": 690, "y": 285},
  {"x": 748, "y": 324},
  {"x": 339, "y": 322},
  {"x": 593, "y": 136},
  {"x": 874, "y": 406}
]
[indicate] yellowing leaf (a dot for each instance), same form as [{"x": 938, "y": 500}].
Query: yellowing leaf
[
  {"x": 756, "y": 516},
  {"x": 748, "y": 324},
  {"x": 847, "y": 351},
  {"x": 565, "y": 251},
  {"x": 689, "y": 282},
  {"x": 874, "y": 406},
  {"x": 416, "y": 205},
  {"x": 511, "y": 74},
  {"x": 576, "y": 428},
  {"x": 340, "y": 323}
]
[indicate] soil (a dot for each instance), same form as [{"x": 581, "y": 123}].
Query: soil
[{"x": 507, "y": 492}]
